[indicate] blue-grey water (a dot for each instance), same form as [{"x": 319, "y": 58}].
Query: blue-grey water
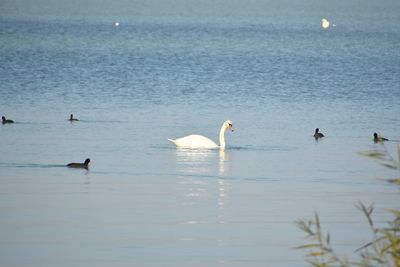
[{"x": 175, "y": 68}]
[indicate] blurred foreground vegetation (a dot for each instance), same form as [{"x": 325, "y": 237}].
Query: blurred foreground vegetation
[{"x": 384, "y": 248}]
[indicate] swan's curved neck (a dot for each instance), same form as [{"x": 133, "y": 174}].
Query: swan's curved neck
[{"x": 222, "y": 136}]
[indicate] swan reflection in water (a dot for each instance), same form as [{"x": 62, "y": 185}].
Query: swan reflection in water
[
  {"x": 213, "y": 166},
  {"x": 224, "y": 160},
  {"x": 202, "y": 161},
  {"x": 195, "y": 161}
]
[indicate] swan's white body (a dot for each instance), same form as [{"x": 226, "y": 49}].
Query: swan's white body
[
  {"x": 198, "y": 141},
  {"x": 325, "y": 23}
]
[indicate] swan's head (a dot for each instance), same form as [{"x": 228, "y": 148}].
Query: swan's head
[
  {"x": 87, "y": 161},
  {"x": 375, "y": 135},
  {"x": 3, "y": 118},
  {"x": 316, "y": 130},
  {"x": 228, "y": 125}
]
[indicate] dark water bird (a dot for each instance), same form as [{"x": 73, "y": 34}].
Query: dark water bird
[
  {"x": 4, "y": 120},
  {"x": 71, "y": 118},
  {"x": 318, "y": 134},
  {"x": 378, "y": 138},
  {"x": 84, "y": 165}
]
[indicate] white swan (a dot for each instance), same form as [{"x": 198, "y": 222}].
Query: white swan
[
  {"x": 199, "y": 141},
  {"x": 325, "y": 23}
]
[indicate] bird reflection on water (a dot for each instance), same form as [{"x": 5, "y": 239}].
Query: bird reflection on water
[
  {"x": 194, "y": 161},
  {"x": 202, "y": 161},
  {"x": 198, "y": 168},
  {"x": 224, "y": 159}
]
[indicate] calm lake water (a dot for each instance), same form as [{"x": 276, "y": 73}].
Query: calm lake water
[{"x": 169, "y": 72}]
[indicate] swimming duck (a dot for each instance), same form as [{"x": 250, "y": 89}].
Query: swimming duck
[
  {"x": 318, "y": 134},
  {"x": 201, "y": 142},
  {"x": 378, "y": 138},
  {"x": 71, "y": 118},
  {"x": 84, "y": 165},
  {"x": 4, "y": 120}
]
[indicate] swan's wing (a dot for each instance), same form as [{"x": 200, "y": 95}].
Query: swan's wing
[{"x": 194, "y": 141}]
